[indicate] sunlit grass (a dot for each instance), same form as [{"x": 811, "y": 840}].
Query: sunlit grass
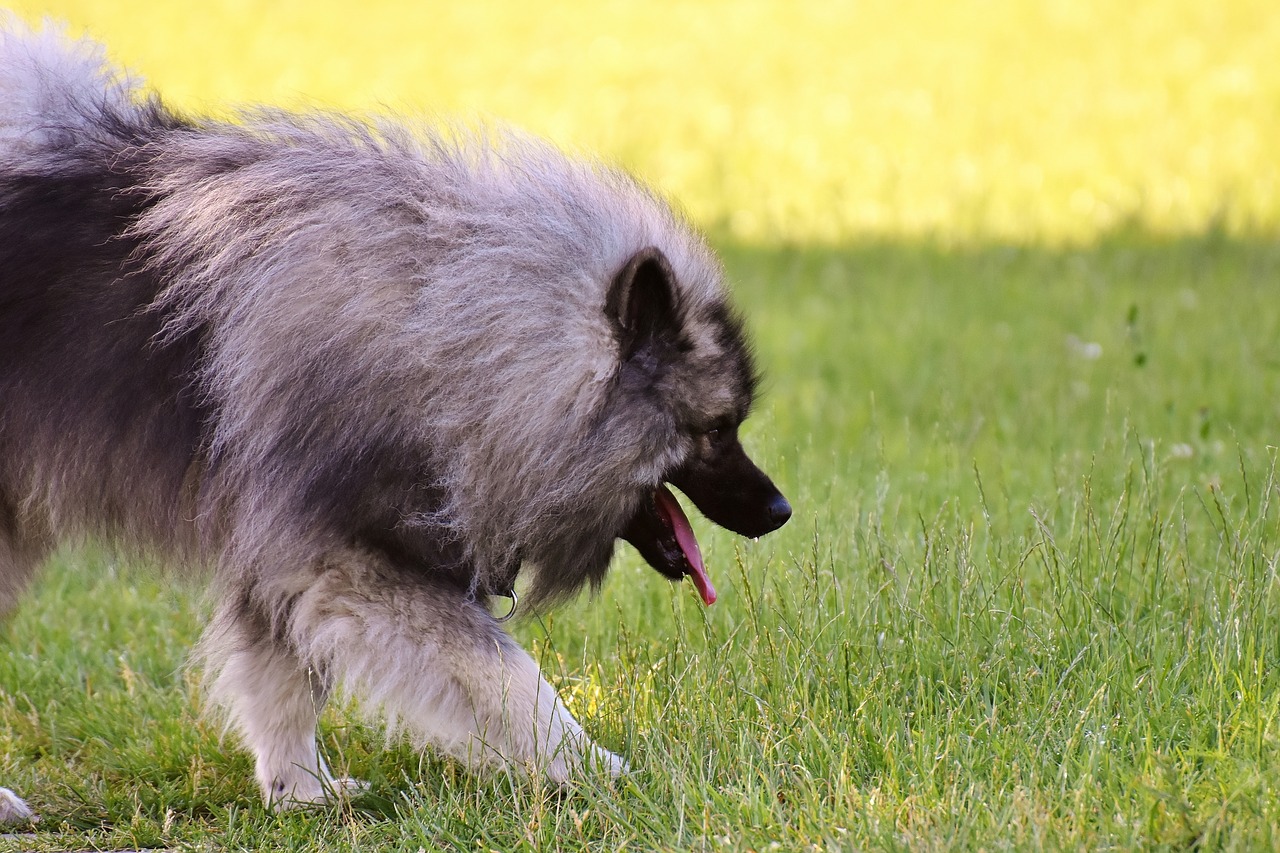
[{"x": 796, "y": 121}]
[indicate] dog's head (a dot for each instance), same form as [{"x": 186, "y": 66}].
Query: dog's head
[{"x": 688, "y": 363}]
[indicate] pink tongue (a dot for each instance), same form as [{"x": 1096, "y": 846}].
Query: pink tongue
[{"x": 670, "y": 509}]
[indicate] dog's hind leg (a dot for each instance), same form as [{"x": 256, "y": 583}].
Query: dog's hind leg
[
  {"x": 438, "y": 664},
  {"x": 15, "y": 569},
  {"x": 23, "y": 549},
  {"x": 273, "y": 700},
  {"x": 13, "y": 810}
]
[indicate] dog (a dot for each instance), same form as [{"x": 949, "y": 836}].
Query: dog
[{"x": 366, "y": 372}]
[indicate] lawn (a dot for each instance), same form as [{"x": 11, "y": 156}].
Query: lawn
[{"x": 1011, "y": 269}]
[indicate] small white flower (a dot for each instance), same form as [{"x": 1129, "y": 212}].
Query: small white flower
[{"x": 1088, "y": 350}]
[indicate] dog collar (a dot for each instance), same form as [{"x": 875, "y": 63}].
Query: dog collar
[{"x": 515, "y": 602}]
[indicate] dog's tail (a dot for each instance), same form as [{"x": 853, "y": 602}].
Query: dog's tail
[{"x": 52, "y": 85}]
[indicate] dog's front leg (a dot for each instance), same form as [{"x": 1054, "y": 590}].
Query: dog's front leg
[
  {"x": 438, "y": 664},
  {"x": 272, "y": 700},
  {"x": 519, "y": 718}
]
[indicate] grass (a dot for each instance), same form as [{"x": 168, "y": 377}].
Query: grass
[
  {"x": 1029, "y": 598},
  {"x": 1025, "y": 408}
]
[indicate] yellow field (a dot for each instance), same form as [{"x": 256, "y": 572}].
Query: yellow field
[{"x": 1036, "y": 121}]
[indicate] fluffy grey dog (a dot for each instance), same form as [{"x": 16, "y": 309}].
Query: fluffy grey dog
[{"x": 369, "y": 374}]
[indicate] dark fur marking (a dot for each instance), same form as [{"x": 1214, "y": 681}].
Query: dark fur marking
[{"x": 72, "y": 310}]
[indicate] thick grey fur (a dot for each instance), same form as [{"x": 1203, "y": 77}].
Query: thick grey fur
[{"x": 362, "y": 369}]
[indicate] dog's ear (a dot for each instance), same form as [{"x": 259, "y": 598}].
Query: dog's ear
[{"x": 642, "y": 304}]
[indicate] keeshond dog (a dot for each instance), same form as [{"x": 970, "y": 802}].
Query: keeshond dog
[{"x": 370, "y": 374}]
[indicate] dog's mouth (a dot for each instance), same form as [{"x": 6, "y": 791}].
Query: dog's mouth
[{"x": 660, "y": 531}]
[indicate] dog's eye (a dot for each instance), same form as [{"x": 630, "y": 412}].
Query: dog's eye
[{"x": 716, "y": 436}]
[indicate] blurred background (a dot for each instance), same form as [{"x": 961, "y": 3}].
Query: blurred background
[{"x": 797, "y": 122}]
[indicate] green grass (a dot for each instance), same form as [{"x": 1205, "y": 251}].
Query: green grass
[
  {"x": 1012, "y": 270},
  {"x": 1029, "y": 598}
]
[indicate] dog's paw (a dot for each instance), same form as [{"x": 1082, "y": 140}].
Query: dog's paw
[
  {"x": 605, "y": 761},
  {"x": 588, "y": 761},
  {"x": 317, "y": 793},
  {"x": 13, "y": 810}
]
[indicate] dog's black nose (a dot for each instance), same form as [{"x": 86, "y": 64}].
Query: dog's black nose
[{"x": 779, "y": 511}]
